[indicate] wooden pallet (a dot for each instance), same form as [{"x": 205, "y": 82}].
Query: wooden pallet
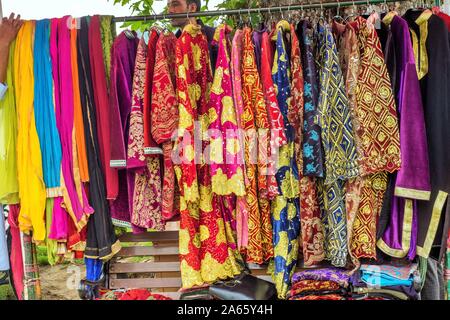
[{"x": 161, "y": 273}]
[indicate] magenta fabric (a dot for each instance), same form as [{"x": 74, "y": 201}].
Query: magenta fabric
[
  {"x": 16, "y": 259},
  {"x": 59, "y": 223}
]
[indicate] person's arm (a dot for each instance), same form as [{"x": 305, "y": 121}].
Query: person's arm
[{"x": 8, "y": 32}]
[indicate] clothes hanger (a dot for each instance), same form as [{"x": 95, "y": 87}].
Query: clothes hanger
[
  {"x": 352, "y": 14},
  {"x": 338, "y": 17}
]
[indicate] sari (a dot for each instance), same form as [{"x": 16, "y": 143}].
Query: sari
[{"x": 29, "y": 159}]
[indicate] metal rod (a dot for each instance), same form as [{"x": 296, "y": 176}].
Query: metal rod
[
  {"x": 250, "y": 10},
  {"x": 1, "y": 10}
]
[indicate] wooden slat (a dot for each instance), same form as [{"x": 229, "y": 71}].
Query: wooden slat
[
  {"x": 145, "y": 283},
  {"x": 144, "y": 267},
  {"x": 162, "y": 236},
  {"x": 148, "y": 251}
]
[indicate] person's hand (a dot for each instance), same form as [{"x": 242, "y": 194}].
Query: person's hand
[{"x": 9, "y": 28}]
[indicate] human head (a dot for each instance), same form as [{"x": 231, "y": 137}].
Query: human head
[{"x": 182, "y": 6}]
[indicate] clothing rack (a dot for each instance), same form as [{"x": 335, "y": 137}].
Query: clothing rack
[{"x": 320, "y": 5}]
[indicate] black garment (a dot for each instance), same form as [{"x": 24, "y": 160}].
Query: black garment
[
  {"x": 100, "y": 231},
  {"x": 213, "y": 49},
  {"x": 436, "y": 101}
]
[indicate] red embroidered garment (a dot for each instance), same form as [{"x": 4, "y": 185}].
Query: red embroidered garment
[
  {"x": 207, "y": 249},
  {"x": 278, "y": 136},
  {"x": 164, "y": 117},
  {"x": 256, "y": 121},
  {"x": 146, "y": 210}
]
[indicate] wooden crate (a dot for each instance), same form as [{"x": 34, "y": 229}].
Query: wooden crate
[{"x": 160, "y": 274}]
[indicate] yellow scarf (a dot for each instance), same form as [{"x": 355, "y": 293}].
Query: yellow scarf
[{"x": 29, "y": 162}]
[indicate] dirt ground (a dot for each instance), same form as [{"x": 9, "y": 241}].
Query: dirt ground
[{"x": 60, "y": 282}]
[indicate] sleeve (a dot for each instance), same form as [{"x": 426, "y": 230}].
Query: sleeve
[
  {"x": 3, "y": 89},
  {"x": 413, "y": 179}
]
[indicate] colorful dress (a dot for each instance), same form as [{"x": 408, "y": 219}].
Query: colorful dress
[
  {"x": 257, "y": 137},
  {"x": 207, "y": 250},
  {"x": 146, "y": 209},
  {"x": 339, "y": 148},
  {"x": 377, "y": 136},
  {"x": 242, "y": 208},
  {"x": 286, "y": 206},
  {"x": 164, "y": 118}
]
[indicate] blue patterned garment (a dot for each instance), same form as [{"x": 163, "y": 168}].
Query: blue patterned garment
[
  {"x": 286, "y": 206},
  {"x": 339, "y": 148},
  {"x": 312, "y": 144},
  {"x": 44, "y": 108},
  {"x": 2, "y": 90}
]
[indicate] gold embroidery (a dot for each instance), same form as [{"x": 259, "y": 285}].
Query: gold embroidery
[
  {"x": 216, "y": 151},
  {"x": 412, "y": 193},
  {"x": 197, "y": 53},
  {"x": 228, "y": 112},
  {"x": 204, "y": 233},
  {"x": 184, "y": 241},
  {"x": 216, "y": 87},
  {"x": 233, "y": 146}
]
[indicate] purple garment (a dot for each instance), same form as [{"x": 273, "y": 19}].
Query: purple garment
[
  {"x": 257, "y": 40},
  {"x": 412, "y": 182},
  {"x": 340, "y": 276},
  {"x": 123, "y": 58}
]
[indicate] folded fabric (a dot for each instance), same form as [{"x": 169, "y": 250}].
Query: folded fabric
[
  {"x": 388, "y": 275},
  {"x": 133, "y": 294},
  {"x": 313, "y": 285},
  {"x": 319, "y": 297},
  {"x": 340, "y": 276}
]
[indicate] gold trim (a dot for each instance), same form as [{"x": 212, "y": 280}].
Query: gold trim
[
  {"x": 115, "y": 248},
  {"x": 422, "y": 63},
  {"x": 389, "y": 17},
  {"x": 412, "y": 193},
  {"x": 432, "y": 229},
  {"x": 406, "y": 234}
]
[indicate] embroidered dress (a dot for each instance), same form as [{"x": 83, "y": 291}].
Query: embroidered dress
[
  {"x": 146, "y": 209},
  {"x": 242, "y": 208},
  {"x": 207, "y": 249},
  {"x": 164, "y": 118},
  {"x": 286, "y": 206},
  {"x": 339, "y": 146},
  {"x": 257, "y": 135},
  {"x": 29, "y": 160},
  {"x": 9, "y": 188},
  {"x": 377, "y": 136},
  {"x": 412, "y": 181},
  {"x": 313, "y": 156}
]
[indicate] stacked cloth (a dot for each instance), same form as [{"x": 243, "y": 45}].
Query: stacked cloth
[
  {"x": 320, "y": 284},
  {"x": 386, "y": 282},
  {"x": 132, "y": 294}
]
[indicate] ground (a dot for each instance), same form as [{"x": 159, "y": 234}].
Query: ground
[{"x": 58, "y": 282}]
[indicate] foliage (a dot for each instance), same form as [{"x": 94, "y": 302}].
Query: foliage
[{"x": 145, "y": 7}]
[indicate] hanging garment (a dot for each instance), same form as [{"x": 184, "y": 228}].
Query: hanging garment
[
  {"x": 123, "y": 58},
  {"x": 339, "y": 148},
  {"x": 257, "y": 137},
  {"x": 80, "y": 139},
  {"x": 44, "y": 110},
  {"x": 101, "y": 240},
  {"x": 29, "y": 160},
  {"x": 432, "y": 55},
  {"x": 165, "y": 117},
  {"x": 276, "y": 122},
  {"x": 9, "y": 188},
  {"x": 150, "y": 145},
  {"x": 313, "y": 156},
  {"x": 412, "y": 182},
  {"x": 146, "y": 208},
  {"x": 75, "y": 199},
  {"x": 226, "y": 168},
  {"x": 286, "y": 206},
  {"x": 100, "y": 95},
  {"x": 207, "y": 251},
  {"x": 242, "y": 208},
  {"x": 52, "y": 245},
  {"x": 311, "y": 225},
  {"x": 257, "y": 39},
  {"x": 16, "y": 260}
]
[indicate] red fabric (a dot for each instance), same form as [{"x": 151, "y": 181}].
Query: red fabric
[
  {"x": 446, "y": 19},
  {"x": 102, "y": 106},
  {"x": 16, "y": 250},
  {"x": 150, "y": 68}
]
